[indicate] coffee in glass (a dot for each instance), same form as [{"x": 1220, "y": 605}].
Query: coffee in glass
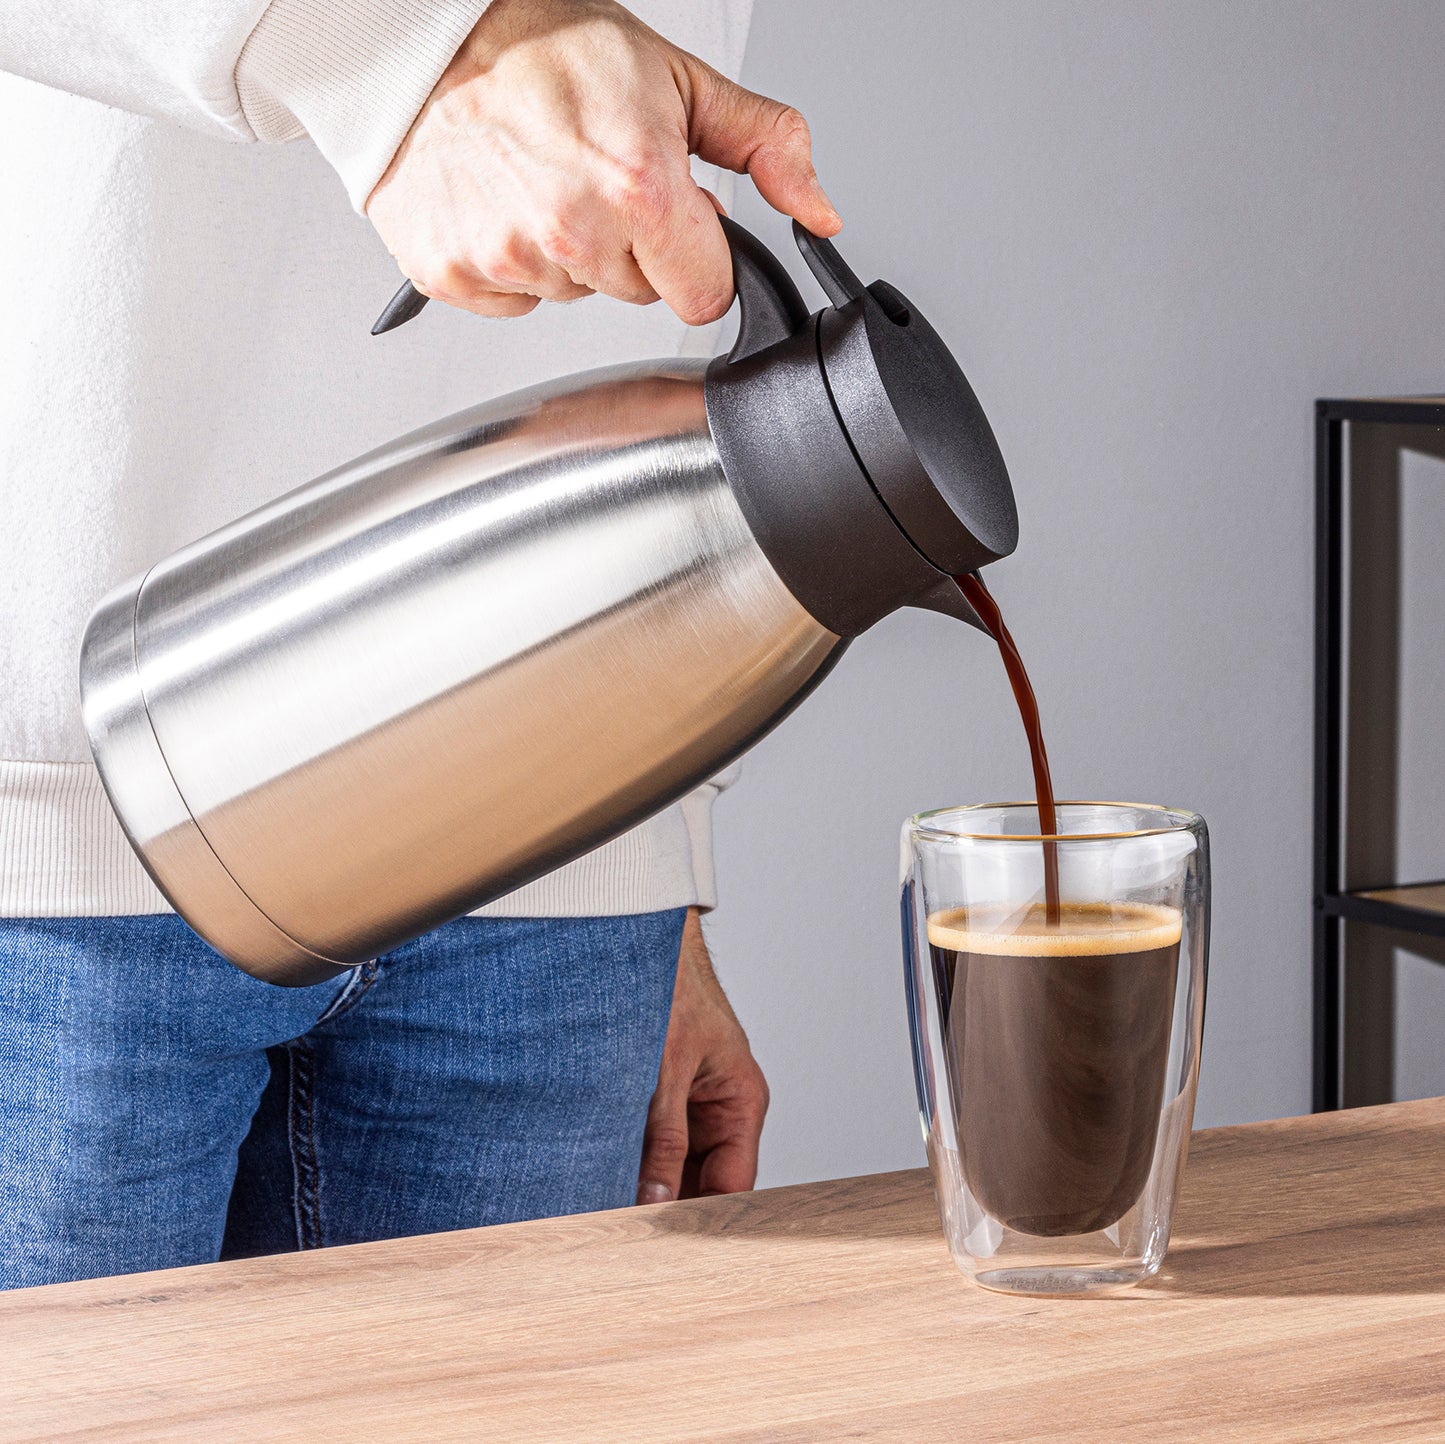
[
  {"x": 1059, "y": 1035},
  {"x": 1056, "y": 1060}
]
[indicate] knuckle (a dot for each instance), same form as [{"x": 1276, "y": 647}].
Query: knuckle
[
  {"x": 789, "y": 128},
  {"x": 449, "y": 278},
  {"x": 667, "y": 1145},
  {"x": 637, "y": 184},
  {"x": 507, "y": 263},
  {"x": 564, "y": 242}
]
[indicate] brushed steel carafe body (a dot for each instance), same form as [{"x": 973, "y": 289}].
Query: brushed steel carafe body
[
  {"x": 432, "y": 675},
  {"x": 472, "y": 656}
]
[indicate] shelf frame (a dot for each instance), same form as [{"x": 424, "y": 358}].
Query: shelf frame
[{"x": 1333, "y": 904}]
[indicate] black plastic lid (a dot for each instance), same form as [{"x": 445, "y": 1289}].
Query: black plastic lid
[
  {"x": 853, "y": 443},
  {"x": 836, "y": 480},
  {"x": 912, "y": 418}
]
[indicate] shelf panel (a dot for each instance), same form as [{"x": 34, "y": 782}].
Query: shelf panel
[
  {"x": 1417, "y": 908},
  {"x": 1427, "y": 896}
]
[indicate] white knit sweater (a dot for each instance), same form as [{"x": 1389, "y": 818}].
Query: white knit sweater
[{"x": 185, "y": 337}]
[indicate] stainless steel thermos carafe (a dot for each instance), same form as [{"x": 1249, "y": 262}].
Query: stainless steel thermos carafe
[{"x": 475, "y": 654}]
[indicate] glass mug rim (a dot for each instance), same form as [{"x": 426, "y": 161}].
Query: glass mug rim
[{"x": 1173, "y": 820}]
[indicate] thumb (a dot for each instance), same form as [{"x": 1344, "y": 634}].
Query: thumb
[
  {"x": 750, "y": 134},
  {"x": 664, "y": 1145}
]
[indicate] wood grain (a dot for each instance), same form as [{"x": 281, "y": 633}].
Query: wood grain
[{"x": 1304, "y": 1299}]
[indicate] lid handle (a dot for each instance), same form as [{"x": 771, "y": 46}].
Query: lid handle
[
  {"x": 407, "y": 303},
  {"x": 772, "y": 306},
  {"x": 833, "y": 273}
]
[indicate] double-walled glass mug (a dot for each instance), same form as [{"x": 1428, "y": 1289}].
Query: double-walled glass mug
[{"x": 1056, "y": 1052}]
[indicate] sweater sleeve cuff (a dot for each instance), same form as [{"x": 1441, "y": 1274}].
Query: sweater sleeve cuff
[
  {"x": 697, "y": 814},
  {"x": 351, "y": 74}
]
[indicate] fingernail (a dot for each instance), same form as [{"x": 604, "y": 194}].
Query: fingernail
[{"x": 654, "y": 1193}]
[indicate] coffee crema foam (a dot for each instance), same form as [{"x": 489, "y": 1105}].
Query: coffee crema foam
[{"x": 1083, "y": 930}]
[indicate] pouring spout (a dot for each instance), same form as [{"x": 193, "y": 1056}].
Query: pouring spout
[{"x": 948, "y": 599}]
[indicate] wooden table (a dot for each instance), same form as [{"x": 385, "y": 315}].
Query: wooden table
[{"x": 1304, "y": 1298}]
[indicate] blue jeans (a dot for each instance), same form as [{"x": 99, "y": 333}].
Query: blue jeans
[{"x": 159, "y": 1107}]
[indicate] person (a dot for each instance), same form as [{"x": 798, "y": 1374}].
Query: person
[{"x": 185, "y": 338}]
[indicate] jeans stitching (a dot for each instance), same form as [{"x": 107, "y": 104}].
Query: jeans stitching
[
  {"x": 355, "y": 990},
  {"x": 302, "y": 1134},
  {"x": 301, "y": 1125}
]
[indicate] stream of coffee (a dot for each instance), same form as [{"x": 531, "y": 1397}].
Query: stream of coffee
[{"x": 981, "y": 600}]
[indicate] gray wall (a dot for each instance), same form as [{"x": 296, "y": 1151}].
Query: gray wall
[{"x": 1154, "y": 233}]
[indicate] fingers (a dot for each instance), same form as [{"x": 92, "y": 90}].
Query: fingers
[
  {"x": 591, "y": 249},
  {"x": 518, "y": 265},
  {"x": 683, "y": 253},
  {"x": 726, "y": 1132},
  {"x": 551, "y": 161},
  {"x": 731, "y": 1167},
  {"x": 507, "y": 278},
  {"x": 664, "y": 1144},
  {"x": 763, "y": 138},
  {"x": 497, "y": 304},
  {"x": 482, "y": 302}
]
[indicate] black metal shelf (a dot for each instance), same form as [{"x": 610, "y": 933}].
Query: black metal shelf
[
  {"x": 1413, "y": 908},
  {"x": 1369, "y": 905},
  {"x": 1385, "y": 410}
]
